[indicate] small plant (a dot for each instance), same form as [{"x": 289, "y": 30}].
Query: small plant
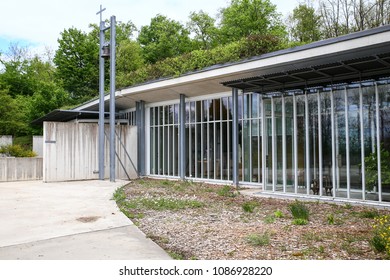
[
  {"x": 226, "y": 191},
  {"x": 330, "y": 219},
  {"x": 369, "y": 214},
  {"x": 249, "y": 206},
  {"x": 299, "y": 210},
  {"x": 299, "y": 222},
  {"x": 269, "y": 220},
  {"x": 278, "y": 214},
  {"x": 348, "y": 206},
  {"x": 256, "y": 239},
  {"x": 381, "y": 239}
]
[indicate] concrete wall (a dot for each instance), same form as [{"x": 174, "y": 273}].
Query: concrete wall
[
  {"x": 21, "y": 169},
  {"x": 38, "y": 145},
  {"x": 5, "y": 140},
  {"x": 70, "y": 151}
]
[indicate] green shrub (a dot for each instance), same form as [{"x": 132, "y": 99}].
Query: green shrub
[
  {"x": 249, "y": 206},
  {"x": 299, "y": 210},
  {"x": 226, "y": 191},
  {"x": 278, "y": 214},
  {"x": 258, "y": 239},
  {"x": 330, "y": 219},
  {"x": 16, "y": 151},
  {"x": 381, "y": 239},
  {"x": 299, "y": 222},
  {"x": 369, "y": 214}
]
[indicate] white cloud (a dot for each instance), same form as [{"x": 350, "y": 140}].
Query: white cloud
[{"x": 41, "y": 21}]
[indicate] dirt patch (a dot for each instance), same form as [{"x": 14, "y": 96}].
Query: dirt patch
[
  {"x": 90, "y": 219},
  {"x": 225, "y": 224}
]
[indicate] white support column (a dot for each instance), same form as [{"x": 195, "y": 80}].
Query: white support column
[
  {"x": 378, "y": 143},
  {"x": 264, "y": 138},
  {"x": 284, "y": 164},
  {"x": 346, "y": 115},
  {"x": 307, "y": 144},
  {"x": 274, "y": 165},
  {"x": 333, "y": 144},
  {"x": 363, "y": 168},
  {"x": 295, "y": 143},
  {"x": 320, "y": 160}
]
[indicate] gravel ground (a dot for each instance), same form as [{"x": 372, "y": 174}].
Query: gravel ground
[{"x": 213, "y": 225}]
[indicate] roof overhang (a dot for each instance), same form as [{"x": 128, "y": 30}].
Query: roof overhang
[
  {"x": 66, "y": 115},
  {"x": 360, "y": 55}
]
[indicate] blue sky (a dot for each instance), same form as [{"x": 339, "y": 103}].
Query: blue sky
[{"x": 38, "y": 23}]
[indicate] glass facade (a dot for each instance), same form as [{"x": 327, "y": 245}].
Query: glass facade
[{"x": 324, "y": 141}]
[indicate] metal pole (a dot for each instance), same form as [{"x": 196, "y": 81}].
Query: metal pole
[
  {"x": 182, "y": 133},
  {"x": 101, "y": 98},
  {"x": 112, "y": 98},
  {"x": 235, "y": 136}
]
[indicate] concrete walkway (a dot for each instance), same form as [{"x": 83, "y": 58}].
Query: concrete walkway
[{"x": 69, "y": 221}]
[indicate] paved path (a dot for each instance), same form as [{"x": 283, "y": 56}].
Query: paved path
[{"x": 71, "y": 220}]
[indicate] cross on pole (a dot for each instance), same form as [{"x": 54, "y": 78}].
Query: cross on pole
[{"x": 101, "y": 12}]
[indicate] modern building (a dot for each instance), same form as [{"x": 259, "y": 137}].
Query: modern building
[{"x": 310, "y": 121}]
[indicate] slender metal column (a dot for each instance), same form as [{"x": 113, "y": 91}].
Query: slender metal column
[
  {"x": 101, "y": 98},
  {"x": 295, "y": 120},
  {"x": 182, "y": 131},
  {"x": 363, "y": 168},
  {"x": 140, "y": 112},
  {"x": 378, "y": 143},
  {"x": 346, "y": 115},
  {"x": 284, "y": 148},
  {"x": 273, "y": 137},
  {"x": 320, "y": 163},
  {"x": 333, "y": 126},
  {"x": 264, "y": 139},
  {"x": 235, "y": 136},
  {"x": 112, "y": 97},
  {"x": 307, "y": 143}
]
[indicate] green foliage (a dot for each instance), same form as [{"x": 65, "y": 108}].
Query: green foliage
[
  {"x": 305, "y": 24},
  {"x": 16, "y": 151},
  {"x": 371, "y": 164},
  {"x": 249, "y": 206},
  {"x": 199, "y": 59},
  {"x": 164, "y": 38},
  {"x": 161, "y": 204},
  {"x": 256, "y": 239},
  {"x": 299, "y": 222},
  {"x": 278, "y": 214},
  {"x": 226, "y": 191},
  {"x": 77, "y": 63},
  {"x": 330, "y": 219},
  {"x": 299, "y": 210},
  {"x": 249, "y": 17},
  {"x": 369, "y": 214},
  {"x": 203, "y": 26},
  {"x": 381, "y": 239}
]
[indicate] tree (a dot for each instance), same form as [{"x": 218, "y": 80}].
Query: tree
[
  {"x": 164, "y": 38},
  {"x": 77, "y": 61},
  {"x": 305, "y": 24},
  {"x": 250, "y": 17},
  {"x": 203, "y": 26}
]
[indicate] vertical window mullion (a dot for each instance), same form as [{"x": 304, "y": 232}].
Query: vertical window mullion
[
  {"x": 346, "y": 115},
  {"x": 378, "y": 143},
  {"x": 307, "y": 144},
  {"x": 295, "y": 120},
  {"x": 264, "y": 147},
  {"x": 320, "y": 163},
  {"x": 284, "y": 163},
  {"x": 273, "y": 124},
  {"x": 363, "y": 168},
  {"x": 333, "y": 143}
]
